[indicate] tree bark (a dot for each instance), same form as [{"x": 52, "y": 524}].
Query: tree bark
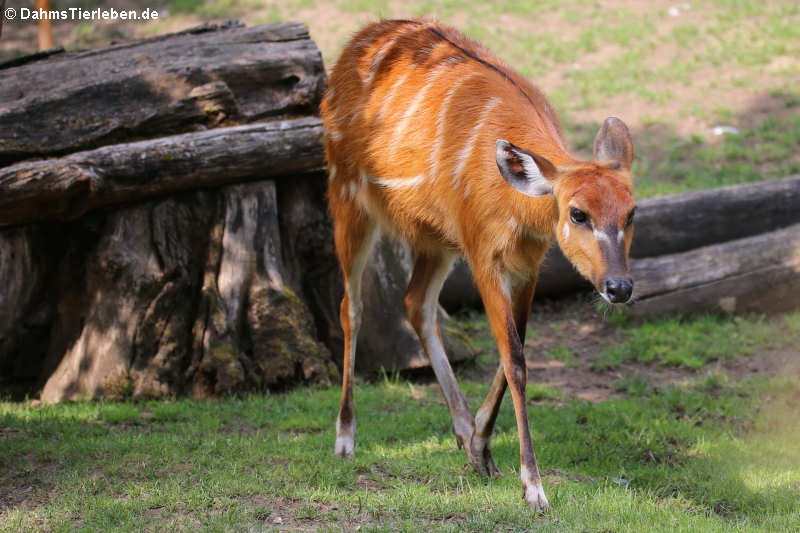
[
  {"x": 68, "y": 187},
  {"x": 178, "y": 295},
  {"x": 206, "y": 76}
]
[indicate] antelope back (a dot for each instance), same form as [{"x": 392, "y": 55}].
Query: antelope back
[{"x": 420, "y": 126}]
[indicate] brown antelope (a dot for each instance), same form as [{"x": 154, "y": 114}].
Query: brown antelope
[{"x": 432, "y": 139}]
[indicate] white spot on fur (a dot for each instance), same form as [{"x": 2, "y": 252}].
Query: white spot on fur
[
  {"x": 534, "y": 493},
  {"x": 353, "y": 189},
  {"x": 512, "y": 223},
  {"x": 566, "y": 231},
  {"x": 398, "y": 183},
  {"x": 344, "y": 447},
  {"x": 506, "y": 285},
  {"x": 435, "y": 156},
  {"x": 331, "y": 172},
  {"x": 345, "y": 439},
  {"x": 600, "y": 236},
  {"x": 334, "y": 134},
  {"x": 466, "y": 152},
  {"x": 620, "y": 236}
]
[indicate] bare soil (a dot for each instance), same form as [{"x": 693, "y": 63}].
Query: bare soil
[{"x": 573, "y": 325}]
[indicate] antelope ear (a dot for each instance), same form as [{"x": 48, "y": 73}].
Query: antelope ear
[
  {"x": 613, "y": 143},
  {"x": 528, "y": 173}
]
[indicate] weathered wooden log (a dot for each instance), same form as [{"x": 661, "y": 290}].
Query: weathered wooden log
[
  {"x": 67, "y": 187},
  {"x": 759, "y": 273},
  {"x": 206, "y": 76},
  {"x": 667, "y": 225},
  {"x": 680, "y": 222}
]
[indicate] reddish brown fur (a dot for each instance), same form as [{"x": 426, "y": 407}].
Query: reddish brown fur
[
  {"x": 435, "y": 213},
  {"x": 412, "y": 116},
  {"x": 44, "y": 27}
]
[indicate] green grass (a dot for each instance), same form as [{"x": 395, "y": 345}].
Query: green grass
[
  {"x": 767, "y": 150},
  {"x": 561, "y": 353},
  {"x": 695, "y": 341},
  {"x": 706, "y": 458}
]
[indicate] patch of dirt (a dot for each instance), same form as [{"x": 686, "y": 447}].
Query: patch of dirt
[
  {"x": 285, "y": 514},
  {"x": 27, "y": 488},
  {"x": 572, "y": 327}
]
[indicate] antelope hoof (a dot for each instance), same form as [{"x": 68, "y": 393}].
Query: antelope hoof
[
  {"x": 490, "y": 466},
  {"x": 344, "y": 447},
  {"x": 480, "y": 450},
  {"x": 535, "y": 498},
  {"x": 475, "y": 459}
]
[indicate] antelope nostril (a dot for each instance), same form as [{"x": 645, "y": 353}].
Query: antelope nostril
[{"x": 619, "y": 289}]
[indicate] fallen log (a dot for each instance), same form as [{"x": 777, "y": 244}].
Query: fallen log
[
  {"x": 211, "y": 75},
  {"x": 666, "y": 225},
  {"x": 759, "y": 273},
  {"x": 68, "y": 187},
  {"x": 680, "y": 222}
]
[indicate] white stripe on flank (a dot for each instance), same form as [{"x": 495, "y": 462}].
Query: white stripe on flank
[
  {"x": 331, "y": 172},
  {"x": 430, "y": 80},
  {"x": 398, "y": 183},
  {"x": 435, "y": 156},
  {"x": 466, "y": 152},
  {"x": 390, "y": 95}
]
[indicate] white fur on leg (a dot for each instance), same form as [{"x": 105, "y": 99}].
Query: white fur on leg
[
  {"x": 533, "y": 491},
  {"x": 345, "y": 440}
]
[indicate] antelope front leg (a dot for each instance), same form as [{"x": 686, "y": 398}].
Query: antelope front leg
[
  {"x": 501, "y": 320},
  {"x": 487, "y": 413}
]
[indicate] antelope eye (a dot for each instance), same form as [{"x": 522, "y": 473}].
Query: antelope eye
[
  {"x": 629, "y": 221},
  {"x": 577, "y": 216}
]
